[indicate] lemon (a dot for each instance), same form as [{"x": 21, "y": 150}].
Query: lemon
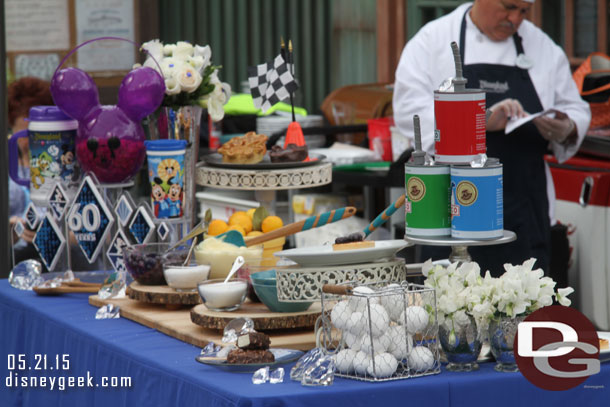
[
  {"x": 242, "y": 219},
  {"x": 271, "y": 223},
  {"x": 250, "y": 212},
  {"x": 239, "y": 228},
  {"x": 254, "y": 233},
  {"x": 217, "y": 226}
]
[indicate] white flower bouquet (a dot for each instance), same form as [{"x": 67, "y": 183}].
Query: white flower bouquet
[
  {"x": 462, "y": 293},
  {"x": 190, "y": 77}
]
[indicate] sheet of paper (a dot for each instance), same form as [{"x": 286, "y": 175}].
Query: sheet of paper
[
  {"x": 515, "y": 123},
  {"x": 37, "y": 25}
]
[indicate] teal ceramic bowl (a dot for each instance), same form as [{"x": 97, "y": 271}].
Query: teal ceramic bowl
[{"x": 265, "y": 287}]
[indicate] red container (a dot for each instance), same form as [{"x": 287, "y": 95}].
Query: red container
[
  {"x": 460, "y": 126},
  {"x": 380, "y": 136}
]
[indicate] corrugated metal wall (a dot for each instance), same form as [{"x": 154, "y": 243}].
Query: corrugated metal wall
[
  {"x": 334, "y": 40},
  {"x": 247, "y": 32}
]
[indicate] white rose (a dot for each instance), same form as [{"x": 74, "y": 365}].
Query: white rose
[
  {"x": 215, "y": 109},
  {"x": 188, "y": 78},
  {"x": 169, "y": 49},
  {"x": 154, "y": 48},
  {"x": 183, "y": 50},
  {"x": 205, "y": 53},
  {"x": 172, "y": 87},
  {"x": 226, "y": 89},
  {"x": 196, "y": 62},
  {"x": 171, "y": 67}
]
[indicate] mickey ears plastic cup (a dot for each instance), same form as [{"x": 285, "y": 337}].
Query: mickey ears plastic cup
[{"x": 75, "y": 93}]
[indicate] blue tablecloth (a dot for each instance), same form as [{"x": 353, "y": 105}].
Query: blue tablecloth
[{"x": 164, "y": 372}]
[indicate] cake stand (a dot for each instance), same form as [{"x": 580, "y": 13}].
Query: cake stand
[{"x": 459, "y": 247}]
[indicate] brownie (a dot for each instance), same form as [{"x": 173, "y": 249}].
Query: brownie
[
  {"x": 292, "y": 153},
  {"x": 253, "y": 340},
  {"x": 241, "y": 356}
]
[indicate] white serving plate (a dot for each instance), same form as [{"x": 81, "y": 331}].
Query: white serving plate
[
  {"x": 326, "y": 256},
  {"x": 604, "y": 335}
]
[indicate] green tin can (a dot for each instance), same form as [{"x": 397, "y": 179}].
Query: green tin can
[{"x": 427, "y": 200}]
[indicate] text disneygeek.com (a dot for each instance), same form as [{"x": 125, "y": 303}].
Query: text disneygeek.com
[{"x": 21, "y": 369}]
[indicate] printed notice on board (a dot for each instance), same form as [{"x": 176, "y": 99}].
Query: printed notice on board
[
  {"x": 37, "y": 25},
  {"x": 105, "y": 18}
]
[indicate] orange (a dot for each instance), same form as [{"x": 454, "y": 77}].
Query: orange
[
  {"x": 242, "y": 219},
  {"x": 217, "y": 226},
  {"x": 271, "y": 223},
  {"x": 250, "y": 212},
  {"x": 238, "y": 228}
]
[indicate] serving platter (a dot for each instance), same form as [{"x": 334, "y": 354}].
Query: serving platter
[
  {"x": 215, "y": 160},
  {"x": 282, "y": 356}
]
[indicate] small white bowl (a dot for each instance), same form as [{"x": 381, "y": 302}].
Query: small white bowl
[
  {"x": 220, "y": 296},
  {"x": 185, "y": 278}
]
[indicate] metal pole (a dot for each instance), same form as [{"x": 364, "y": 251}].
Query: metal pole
[{"x": 5, "y": 259}]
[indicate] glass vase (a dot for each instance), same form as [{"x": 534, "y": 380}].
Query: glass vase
[
  {"x": 461, "y": 344},
  {"x": 502, "y": 333}
]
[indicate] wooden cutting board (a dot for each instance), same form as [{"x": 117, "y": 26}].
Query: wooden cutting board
[
  {"x": 263, "y": 318},
  {"x": 177, "y": 323},
  {"x": 162, "y": 294}
]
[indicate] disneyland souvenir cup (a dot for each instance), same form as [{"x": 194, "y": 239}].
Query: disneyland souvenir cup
[
  {"x": 166, "y": 174},
  {"x": 51, "y": 136}
]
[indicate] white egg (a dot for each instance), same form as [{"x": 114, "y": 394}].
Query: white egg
[
  {"x": 344, "y": 360},
  {"x": 416, "y": 319},
  {"x": 361, "y": 362},
  {"x": 376, "y": 345},
  {"x": 358, "y": 303},
  {"x": 380, "y": 320},
  {"x": 357, "y": 324},
  {"x": 393, "y": 303},
  {"x": 351, "y": 340},
  {"x": 385, "y": 366},
  {"x": 421, "y": 359},
  {"x": 401, "y": 342},
  {"x": 340, "y": 315}
]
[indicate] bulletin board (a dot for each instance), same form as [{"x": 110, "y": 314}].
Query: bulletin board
[{"x": 39, "y": 33}]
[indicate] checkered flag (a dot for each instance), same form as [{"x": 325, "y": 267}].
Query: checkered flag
[{"x": 271, "y": 83}]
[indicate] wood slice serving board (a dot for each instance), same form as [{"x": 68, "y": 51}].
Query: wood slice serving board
[
  {"x": 260, "y": 314},
  {"x": 162, "y": 294},
  {"x": 177, "y": 323}
]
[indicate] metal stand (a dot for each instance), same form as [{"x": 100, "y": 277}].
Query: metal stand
[{"x": 459, "y": 247}]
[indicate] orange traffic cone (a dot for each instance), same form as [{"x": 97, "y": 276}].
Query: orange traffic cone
[{"x": 294, "y": 135}]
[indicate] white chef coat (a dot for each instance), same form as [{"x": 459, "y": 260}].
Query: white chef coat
[{"x": 427, "y": 60}]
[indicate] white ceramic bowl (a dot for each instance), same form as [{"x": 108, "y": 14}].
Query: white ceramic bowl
[
  {"x": 220, "y": 296},
  {"x": 185, "y": 278}
]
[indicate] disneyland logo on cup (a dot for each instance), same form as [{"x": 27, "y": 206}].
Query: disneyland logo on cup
[{"x": 557, "y": 348}]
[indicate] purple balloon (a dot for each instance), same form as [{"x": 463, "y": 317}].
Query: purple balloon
[{"x": 110, "y": 140}]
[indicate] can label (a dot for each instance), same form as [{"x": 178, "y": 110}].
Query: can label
[
  {"x": 427, "y": 193},
  {"x": 477, "y": 209},
  {"x": 459, "y": 126}
]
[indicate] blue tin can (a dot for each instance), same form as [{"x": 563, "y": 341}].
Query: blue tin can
[{"x": 477, "y": 209}]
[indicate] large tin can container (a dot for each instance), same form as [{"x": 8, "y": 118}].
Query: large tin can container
[
  {"x": 427, "y": 191},
  {"x": 477, "y": 208},
  {"x": 459, "y": 134}
]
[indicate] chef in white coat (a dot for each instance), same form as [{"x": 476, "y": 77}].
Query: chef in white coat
[{"x": 523, "y": 72}]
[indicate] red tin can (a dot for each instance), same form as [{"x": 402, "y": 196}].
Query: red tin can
[{"x": 459, "y": 132}]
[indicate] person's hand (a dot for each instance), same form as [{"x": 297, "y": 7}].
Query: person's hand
[
  {"x": 502, "y": 111},
  {"x": 27, "y": 235},
  {"x": 555, "y": 129}
]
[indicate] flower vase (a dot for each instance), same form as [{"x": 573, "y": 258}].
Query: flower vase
[
  {"x": 182, "y": 123},
  {"x": 502, "y": 332},
  {"x": 461, "y": 344}
]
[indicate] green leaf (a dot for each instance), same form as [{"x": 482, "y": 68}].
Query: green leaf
[{"x": 259, "y": 215}]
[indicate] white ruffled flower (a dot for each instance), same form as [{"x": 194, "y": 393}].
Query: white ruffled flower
[
  {"x": 183, "y": 50},
  {"x": 196, "y": 62},
  {"x": 188, "y": 78},
  {"x": 205, "y": 53},
  {"x": 171, "y": 67},
  {"x": 169, "y": 49},
  {"x": 172, "y": 87},
  {"x": 562, "y": 294},
  {"x": 154, "y": 48},
  {"x": 215, "y": 109}
]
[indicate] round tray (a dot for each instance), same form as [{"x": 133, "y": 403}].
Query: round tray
[
  {"x": 279, "y": 179},
  {"x": 304, "y": 284},
  {"x": 508, "y": 236},
  {"x": 215, "y": 160},
  {"x": 263, "y": 318},
  {"x": 162, "y": 294}
]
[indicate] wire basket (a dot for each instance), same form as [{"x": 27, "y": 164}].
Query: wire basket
[{"x": 380, "y": 331}]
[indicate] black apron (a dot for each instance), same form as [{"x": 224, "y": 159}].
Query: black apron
[{"x": 526, "y": 207}]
